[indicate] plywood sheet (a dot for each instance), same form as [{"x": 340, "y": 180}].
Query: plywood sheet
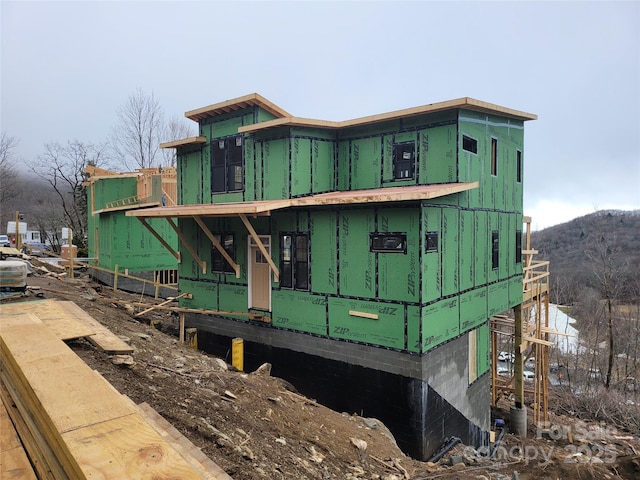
[
  {"x": 14, "y": 463},
  {"x": 102, "y": 338},
  {"x": 126, "y": 447},
  {"x": 52, "y": 314}
]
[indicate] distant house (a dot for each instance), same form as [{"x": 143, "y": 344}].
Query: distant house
[
  {"x": 363, "y": 258},
  {"x": 122, "y": 244}
]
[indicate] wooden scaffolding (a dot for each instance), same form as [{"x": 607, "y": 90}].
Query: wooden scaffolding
[{"x": 525, "y": 337}]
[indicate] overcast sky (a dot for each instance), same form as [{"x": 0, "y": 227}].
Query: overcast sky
[{"x": 67, "y": 66}]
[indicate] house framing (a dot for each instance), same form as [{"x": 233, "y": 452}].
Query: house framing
[{"x": 370, "y": 253}]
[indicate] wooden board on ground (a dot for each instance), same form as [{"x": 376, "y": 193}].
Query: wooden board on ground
[
  {"x": 52, "y": 314},
  {"x": 192, "y": 454},
  {"x": 14, "y": 463},
  {"x": 102, "y": 338},
  {"x": 85, "y": 428}
]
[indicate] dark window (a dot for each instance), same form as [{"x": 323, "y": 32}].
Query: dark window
[
  {"x": 518, "y": 246},
  {"x": 227, "y": 171},
  {"x": 388, "y": 242},
  {"x": 469, "y": 144},
  {"x": 518, "y": 166},
  {"x": 404, "y": 160},
  {"x": 218, "y": 262},
  {"x": 431, "y": 242},
  {"x": 494, "y": 157},
  {"x": 294, "y": 261},
  {"x": 495, "y": 250}
]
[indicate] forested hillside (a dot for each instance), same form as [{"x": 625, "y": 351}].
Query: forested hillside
[{"x": 584, "y": 251}]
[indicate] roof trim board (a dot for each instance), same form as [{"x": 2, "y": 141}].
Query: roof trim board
[
  {"x": 236, "y": 104},
  {"x": 464, "y": 102},
  {"x": 264, "y": 207},
  {"x": 183, "y": 142}
]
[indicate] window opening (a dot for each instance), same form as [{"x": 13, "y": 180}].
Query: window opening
[
  {"x": 294, "y": 261},
  {"x": 431, "y": 242},
  {"x": 388, "y": 242},
  {"x": 518, "y": 166},
  {"x": 518, "y": 246},
  {"x": 469, "y": 144},
  {"x": 494, "y": 157},
  {"x": 495, "y": 249},
  {"x": 403, "y": 160},
  {"x": 227, "y": 165},
  {"x": 218, "y": 262}
]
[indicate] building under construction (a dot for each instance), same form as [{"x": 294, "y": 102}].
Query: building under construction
[{"x": 363, "y": 258}]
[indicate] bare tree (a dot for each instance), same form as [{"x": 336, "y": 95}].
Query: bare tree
[
  {"x": 8, "y": 174},
  {"x": 609, "y": 271},
  {"x": 62, "y": 167},
  {"x": 176, "y": 129},
  {"x": 136, "y": 137}
]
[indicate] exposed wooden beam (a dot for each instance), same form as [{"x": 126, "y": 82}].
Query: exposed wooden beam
[
  {"x": 160, "y": 239},
  {"x": 263, "y": 250},
  {"x": 185, "y": 242},
  {"x": 219, "y": 247}
]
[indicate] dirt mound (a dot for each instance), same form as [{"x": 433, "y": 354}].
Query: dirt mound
[{"x": 256, "y": 426}]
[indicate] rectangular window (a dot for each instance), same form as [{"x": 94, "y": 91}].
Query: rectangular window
[
  {"x": 227, "y": 172},
  {"x": 494, "y": 157},
  {"x": 518, "y": 166},
  {"x": 469, "y": 144},
  {"x": 495, "y": 250},
  {"x": 518, "y": 246},
  {"x": 388, "y": 242},
  {"x": 404, "y": 160},
  {"x": 294, "y": 261},
  {"x": 431, "y": 242},
  {"x": 218, "y": 263}
]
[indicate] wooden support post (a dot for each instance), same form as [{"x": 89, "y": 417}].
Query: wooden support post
[
  {"x": 192, "y": 338},
  {"x": 115, "y": 278},
  {"x": 181, "y": 327},
  {"x": 519, "y": 391}
]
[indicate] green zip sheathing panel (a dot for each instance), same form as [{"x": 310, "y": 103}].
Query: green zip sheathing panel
[
  {"x": 204, "y": 294},
  {"x": 300, "y": 166},
  {"x": 324, "y": 268},
  {"x": 482, "y": 349},
  {"x": 483, "y": 247},
  {"x": 431, "y": 260},
  {"x": 274, "y": 158},
  {"x": 467, "y": 249},
  {"x": 250, "y": 177},
  {"x": 365, "y": 157},
  {"x": 473, "y": 309},
  {"x": 437, "y": 155},
  {"x": 414, "y": 339},
  {"x": 357, "y": 264},
  {"x": 450, "y": 253},
  {"x": 498, "y": 298},
  {"x": 191, "y": 169},
  {"x": 122, "y": 240},
  {"x": 386, "y": 330},
  {"x": 398, "y": 274},
  {"x": 233, "y": 298},
  {"x": 322, "y": 166},
  {"x": 440, "y": 322},
  {"x": 300, "y": 311},
  {"x": 344, "y": 165}
]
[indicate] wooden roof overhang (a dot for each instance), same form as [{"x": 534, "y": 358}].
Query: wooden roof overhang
[
  {"x": 254, "y": 209},
  {"x": 236, "y": 104},
  {"x": 460, "y": 103},
  {"x": 184, "y": 142}
]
